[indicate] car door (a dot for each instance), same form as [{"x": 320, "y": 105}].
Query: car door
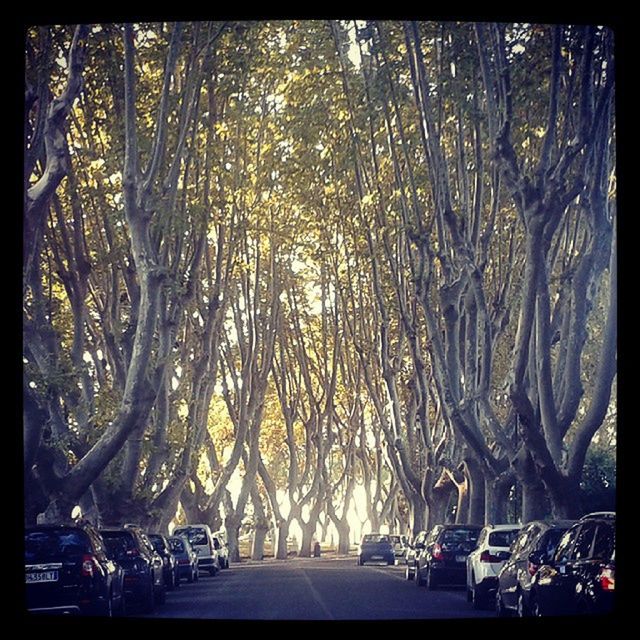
[
  {"x": 554, "y": 581},
  {"x": 510, "y": 574}
]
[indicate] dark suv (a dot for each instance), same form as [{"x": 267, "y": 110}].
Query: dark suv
[
  {"x": 580, "y": 578},
  {"x": 67, "y": 570},
  {"x": 143, "y": 574},
  {"x": 442, "y": 558},
  {"x": 537, "y": 541}
]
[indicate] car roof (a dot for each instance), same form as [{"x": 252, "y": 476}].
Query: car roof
[
  {"x": 600, "y": 515},
  {"x": 502, "y": 527}
]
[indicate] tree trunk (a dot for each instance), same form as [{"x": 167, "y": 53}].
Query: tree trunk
[
  {"x": 497, "y": 498},
  {"x": 535, "y": 504},
  {"x": 476, "y": 491}
]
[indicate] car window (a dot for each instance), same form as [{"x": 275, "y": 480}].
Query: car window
[
  {"x": 565, "y": 545},
  {"x": 502, "y": 538},
  {"x": 456, "y": 536},
  {"x": 548, "y": 542},
  {"x": 584, "y": 541},
  {"x": 483, "y": 535},
  {"x": 177, "y": 545},
  {"x": 605, "y": 541},
  {"x": 45, "y": 546},
  {"x": 118, "y": 542}
]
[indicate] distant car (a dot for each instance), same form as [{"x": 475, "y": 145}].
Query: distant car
[
  {"x": 201, "y": 540},
  {"x": 486, "y": 560},
  {"x": 536, "y": 540},
  {"x": 186, "y": 557},
  {"x": 68, "y": 571},
  {"x": 222, "y": 547},
  {"x": 443, "y": 560},
  {"x": 400, "y": 545},
  {"x": 413, "y": 549},
  {"x": 580, "y": 578},
  {"x": 143, "y": 574},
  {"x": 375, "y": 547},
  {"x": 169, "y": 562}
]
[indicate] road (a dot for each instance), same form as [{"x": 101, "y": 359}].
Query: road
[{"x": 313, "y": 589}]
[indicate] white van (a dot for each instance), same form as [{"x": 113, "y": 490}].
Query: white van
[{"x": 201, "y": 539}]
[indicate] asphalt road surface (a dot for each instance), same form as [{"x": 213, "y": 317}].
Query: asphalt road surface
[{"x": 313, "y": 589}]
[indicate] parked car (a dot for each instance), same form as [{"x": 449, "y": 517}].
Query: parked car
[
  {"x": 414, "y": 547},
  {"x": 486, "y": 560},
  {"x": 143, "y": 575},
  {"x": 375, "y": 547},
  {"x": 400, "y": 545},
  {"x": 201, "y": 540},
  {"x": 67, "y": 570},
  {"x": 538, "y": 540},
  {"x": 169, "y": 562},
  {"x": 443, "y": 559},
  {"x": 186, "y": 558},
  {"x": 222, "y": 547},
  {"x": 580, "y": 578}
]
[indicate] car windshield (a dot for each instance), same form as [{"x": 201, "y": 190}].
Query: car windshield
[
  {"x": 375, "y": 538},
  {"x": 177, "y": 545},
  {"x": 45, "y": 546},
  {"x": 459, "y": 536},
  {"x": 118, "y": 542},
  {"x": 503, "y": 538},
  {"x": 157, "y": 542},
  {"x": 196, "y": 536}
]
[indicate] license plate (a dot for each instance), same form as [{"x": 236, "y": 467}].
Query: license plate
[
  {"x": 42, "y": 576},
  {"x": 376, "y": 557},
  {"x": 461, "y": 558}
]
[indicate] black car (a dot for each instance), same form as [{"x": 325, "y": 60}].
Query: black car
[
  {"x": 580, "y": 578},
  {"x": 538, "y": 541},
  {"x": 169, "y": 562},
  {"x": 376, "y": 547},
  {"x": 67, "y": 570},
  {"x": 186, "y": 558},
  {"x": 442, "y": 558},
  {"x": 143, "y": 574}
]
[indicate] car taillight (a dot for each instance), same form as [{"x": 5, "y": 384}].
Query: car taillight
[
  {"x": 608, "y": 578},
  {"x": 532, "y": 568},
  {"x": 485, "y": 556},
  {"x": 437, "y": 552},
  {"x": 183, "y": 561},
  {"x": 89, "y": 565},
  {"x": 133, "y": 553}
]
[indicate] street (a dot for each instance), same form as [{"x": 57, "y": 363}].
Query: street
[{"x": 313, "y": 589}]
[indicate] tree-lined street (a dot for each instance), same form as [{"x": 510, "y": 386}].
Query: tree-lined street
[{"x": 314, "y": 589}]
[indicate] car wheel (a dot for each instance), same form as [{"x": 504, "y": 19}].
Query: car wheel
[
  {"x": 196, "y": 576},
  {"x": 419, "y": 579},
  {"x": 408, "y": 574},
  {"x": 535, "y": 607},
  {"x": 176, "y": 580},
  {"x": 523, "y": 611},
  {"x": 477, "y": 597},
  {"x": 431, "y": 580},
  {"x": 149, "y": 600},
  {"x": 161, "y": 595},
  {"x": 469, "y": 596},
  {"x": 501, "y": 610}
]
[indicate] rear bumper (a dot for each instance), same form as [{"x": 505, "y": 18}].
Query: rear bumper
[
  {"x": 451, "y": 575},
  {"x": 71, "y": 609}
]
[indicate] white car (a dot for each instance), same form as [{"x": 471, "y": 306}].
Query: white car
[
  {"x": 400, "y": 545},
  {"x": 201, "y": 539},
  {"x": 486, "y": 560}
]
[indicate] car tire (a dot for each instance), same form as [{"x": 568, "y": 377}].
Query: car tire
[
  {"x": 521, "y": 606},
  {"x": 535, "y": 607},
  {"x": 431, "y": 580},
  {"x": 161, "y": 595},
  {"x": 176, "y": 580},
  {"x": 408, "y": 574},
  {"x": 419, "y": 579},
  {"x": 477, "y": 597},
  {"x": 501, "y": 610},
  {"x": 196, "y": 576},
  {"x": 469, "y": 595},
  {"x": 149, "y": 600}
]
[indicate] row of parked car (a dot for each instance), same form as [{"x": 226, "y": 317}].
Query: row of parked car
[
  {"x": 544, "y": 568},
  {"x": 76, "y": 568}
]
